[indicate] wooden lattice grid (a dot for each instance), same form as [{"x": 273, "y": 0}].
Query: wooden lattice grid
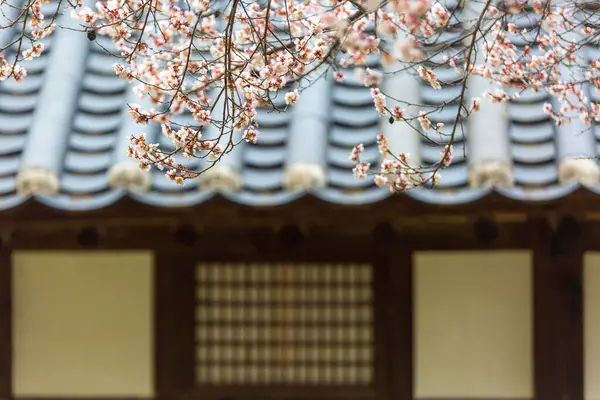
[{"x": 284, "y": 324}]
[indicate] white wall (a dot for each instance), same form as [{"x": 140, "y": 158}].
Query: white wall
[
  {"x": 591, "y": 288},
  {"x": 473, "y": 324},
  {"x": 82, "y": 323}
]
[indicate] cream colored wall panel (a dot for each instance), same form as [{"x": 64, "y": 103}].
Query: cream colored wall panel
[
  {"x": 473, "y": 324},
  {"x": 82, "y": 323},
  {"x": 591, "y": 289}
]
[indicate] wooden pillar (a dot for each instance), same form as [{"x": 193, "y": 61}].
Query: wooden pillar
[
  {"x": 558, "y": 311},
  {"x": 382, "y": 334},
  {"x": 393, "y": 307},
  {"x": 174, "y": 323},
  {"x": 6, "y": 356},
  {"x": 401, "y": 319}
]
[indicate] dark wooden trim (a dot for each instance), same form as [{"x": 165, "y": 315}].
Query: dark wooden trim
[
  {"x": 558, "y": 311},
  {"x": 174, "y": 324},
  {"x": 6, "y": 342},
  {"x": 382, "y": 337},
  {"x": 276, "y": 392},
  {"x": 401, "y": 325},
  {"x": 393, "y": 322},
  {"x": 318, "y": 243},
  {"x": 223, "y": 212},
  {"x": 85, "y": 398},
  {"x": 360, "y": 395},
  {"x": 474, "y": 398}
]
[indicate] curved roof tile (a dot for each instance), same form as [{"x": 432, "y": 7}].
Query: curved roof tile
[{"x": 71, "y": 117}]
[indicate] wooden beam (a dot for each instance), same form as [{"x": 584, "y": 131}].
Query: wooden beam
[
  {"x": 174, "y": 324},
  {"x": 186, "y": 235},
  {"x": 307, "y": 209},
  {"x": 273, "y": 392},
  {"x": 290, "y": 236},
  {"x": 486, "y": 230},
  {"x": 209, "y": 243},
  {"x": 88, "y": 238},
  {"x": 558, "y": 311},
  {"x": 5, "y": 323},
  {"x": 276, "y": 391}
]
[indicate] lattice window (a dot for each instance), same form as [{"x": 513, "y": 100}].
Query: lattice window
[{"x": 284, "y": 324}]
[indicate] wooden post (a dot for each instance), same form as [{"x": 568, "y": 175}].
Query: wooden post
[
  {"x": 558, "y": 311},
  {"x": 383, "y": 338},
  {"x": 401, "y": 319},
  {"x": 6, "y": 356},
  {"x": 393, "y": 307},
  {"x": 174, "y": 323}
]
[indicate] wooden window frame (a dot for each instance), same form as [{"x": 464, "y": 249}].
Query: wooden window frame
[
  {"x": 175, "y": 341},
  {"x": 280, "y": 283}
]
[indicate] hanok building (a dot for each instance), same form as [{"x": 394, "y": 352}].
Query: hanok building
[{"x": 278, "y": 275}]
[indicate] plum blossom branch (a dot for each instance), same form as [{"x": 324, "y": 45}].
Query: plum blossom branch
[{"x": 218, "y": 61}]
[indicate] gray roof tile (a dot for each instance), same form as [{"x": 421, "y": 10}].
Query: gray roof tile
[
  {"x": 9, "y": 165},
  {"x": 11, "y": 145},
  {"x": 28, "y": 86},
  {"x": 541, "y": 174},
  {"x": 533, "y": 154},
  {"x": 83, "y": 184},
  {"x": 71, "y": 117},
  {"x": 532, "y": 133}
]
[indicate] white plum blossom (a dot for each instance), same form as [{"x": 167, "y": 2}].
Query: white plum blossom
[
  {"x": 292, "y": 97},
  {"x": 221, "y": 65}
]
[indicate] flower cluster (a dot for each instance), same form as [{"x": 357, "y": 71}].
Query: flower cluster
[
  {"x": 545, "y": 56},
  {"x": 221, "y": 61}
]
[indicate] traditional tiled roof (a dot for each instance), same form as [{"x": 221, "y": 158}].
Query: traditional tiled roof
[{"x": 65, "y": 128}]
